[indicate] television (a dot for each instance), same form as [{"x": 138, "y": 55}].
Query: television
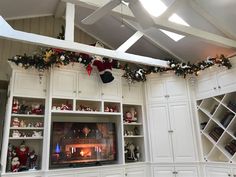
[{"x": 75, "y": 144}]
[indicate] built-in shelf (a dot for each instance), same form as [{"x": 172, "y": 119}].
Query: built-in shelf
[
  {"x": 133, "y": 124},
  {"x": 26, "y": 128},
  {"x": 25, "y": 138},
  {"x": 134, "y": 136},
  {"x": 27, "y": 115},
  {"x": 84, "y": 112},
  {"x": 217, "y": 121}
]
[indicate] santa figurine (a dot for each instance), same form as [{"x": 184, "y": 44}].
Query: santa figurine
[
  {"x": 15, "y": 106},
  {"x": 15, "y": 122},
  {"x": 22, "y": 152}
]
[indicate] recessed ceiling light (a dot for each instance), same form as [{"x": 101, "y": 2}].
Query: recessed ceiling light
[
  {"x": 173, "y": 36},
  {"x": 177, "y": 19},
  {"x": 154, "y": 7}
]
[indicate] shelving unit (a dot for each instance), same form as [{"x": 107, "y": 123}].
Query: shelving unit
[
  {"x": 133, "y": 133},
  {"x": 217, "y": 119},
  {"x": 26, "y": 128}
]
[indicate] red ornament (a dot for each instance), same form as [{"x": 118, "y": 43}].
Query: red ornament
[{"x": 89, "y": 69}]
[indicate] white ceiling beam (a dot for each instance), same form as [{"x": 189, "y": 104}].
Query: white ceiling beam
[
  {"x": 7, "y": 32},
  {"x": 171, "y": 9},
  {"x": 70, "y": 22},
  {"x": 60, "y": 9},
  {"x": 191, "y": 31},
  {"x": 131, "y": 41},
  {"x": 216, "y": 23},
  {"x": 154, "y": 42},
  {"x": 173, "y": 27}
]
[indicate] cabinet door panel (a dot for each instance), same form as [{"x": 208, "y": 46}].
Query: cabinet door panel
[
  {"x": 89, "y": 86},
  {"x": 218, "y": 172},
  {"x": 64, "y": 84},
  {"x": 227, "y": 81},
  {"x": 112, "y": 173},
  {"x": 156, "y": 90},
  {"x": 182, "y": 136},
  {"x": 132, "y": 93},
  {"x": 186, "y": 171},
  {"x": 206, "y": 85},
  {"x": 163, "y": 172},
  {"x": 136, "y": 172},
  {"x": 92, "y": 174},
  {"x": 160, "y": 137},
  {"x": 176, "y": 89},
  {"x": 29, "y": 84},
  {"x": 112, "y": 90}
]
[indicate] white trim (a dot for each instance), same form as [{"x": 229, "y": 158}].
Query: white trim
[
  {"x": 70, "y": 22},
  {"x": 6, "y": 31},
  {"x": 28, "y": 16},
  {"x": 131, "y": 41}
]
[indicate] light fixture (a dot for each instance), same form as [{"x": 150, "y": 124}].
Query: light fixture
[
  {"x": 154, "y": 7},
  {"x": 173, "y": 36},
  {"x": 177, "y": 19}
]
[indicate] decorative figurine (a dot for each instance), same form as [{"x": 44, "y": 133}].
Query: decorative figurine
[
  {"x": 106, "y": 109},
  {"x": 15, "y": 164},
  {"x": 22, "y": 123},
  {"x": 32, "y": 160},
  {"x": 37, "y": 134},
  {"x": 16, "y": 134},
  {"x": 130, "y": 116},
  {"x": 10, "y": 154},
  {"x": 136, "y": 131},
  {"x": 22, "y": 153},
  {"x": 15, "y": 122},
  {"x": 15, "y": 106}
]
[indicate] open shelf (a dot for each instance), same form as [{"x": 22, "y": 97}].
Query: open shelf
[
  {"x": 217, "y": 119},
  {"x": 62, "y": 104},
  {"x": 112, "y": 107},
  {"x": 88, "y": 106}
]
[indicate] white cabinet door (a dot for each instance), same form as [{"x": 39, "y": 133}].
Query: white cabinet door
[
  {"x": 227, "y": 81},
  {"x": 112, "y": 91},
  {"x": 136, "y": 172},
  {"x": 132, "y": 93},
  {"x": 218, "y": 172},
  {"x": 156, "y": 89},
  {"x": 64, "y": 84},
  {"x": 29, "y": 84},
  {"x": 89, "y": 86},
  {"x": 112, "y": 173},
  {"x": 176, "y": 89},
  {"x": 186, "y": 172},
  {"x": 161, "y": 147},
  {"x": 234, "y": 172},
  {"x": 206, "y": 85},
  {"x": 163, "y": 172},
  {"x": 182, "y": 136}
]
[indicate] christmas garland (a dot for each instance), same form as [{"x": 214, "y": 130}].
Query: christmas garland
[{"x": 56, "y": 57}]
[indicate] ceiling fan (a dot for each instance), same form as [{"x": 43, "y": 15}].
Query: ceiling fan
[{"x": 142, "y": 16}]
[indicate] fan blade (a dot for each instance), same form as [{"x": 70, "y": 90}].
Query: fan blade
[
  {"x": 100, "y": 12},
  {"x": 141, "y": 14}
]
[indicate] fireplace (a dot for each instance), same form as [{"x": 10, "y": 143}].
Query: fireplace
[{"x": 82, "y": 143}]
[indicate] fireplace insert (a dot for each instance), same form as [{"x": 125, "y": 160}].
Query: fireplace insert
[{"x": 75, "y": 144}]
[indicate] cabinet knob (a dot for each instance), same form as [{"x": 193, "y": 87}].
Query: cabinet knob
[
  {"x": 167, "y": 96},
  {"x": 175, "y": 172},
  {"x": 74, "y": 91},
  {"x": 214, "y": 88},
  {"x": 79, "y": 91},
  {"x": 122, "y": 96},
  {"x": 229, "y": 174},
  {"x": 44, "y": 90},
  {"x": 126, "y": 174},
  {"x": 102, "y": 93},
  {"x": 170, "y": 131},
  {"x": 219, "y": 87}
]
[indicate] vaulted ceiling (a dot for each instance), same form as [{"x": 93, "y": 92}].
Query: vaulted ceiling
[{"x": 216, "y": 17}]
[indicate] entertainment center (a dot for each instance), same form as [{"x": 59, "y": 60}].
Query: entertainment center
[{"x": 65, "y": 123}]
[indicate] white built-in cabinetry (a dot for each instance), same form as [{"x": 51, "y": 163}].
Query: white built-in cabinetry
[
  {"x": 170, "y": 123},
  {"x": 72, "y": 85},
  {"x": 170, "y": 126}
]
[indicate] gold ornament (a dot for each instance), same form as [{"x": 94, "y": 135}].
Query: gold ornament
[{"x": 47, "y": 55}]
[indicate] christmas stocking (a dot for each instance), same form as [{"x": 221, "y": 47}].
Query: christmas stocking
[{"x": 104, "y": 67}]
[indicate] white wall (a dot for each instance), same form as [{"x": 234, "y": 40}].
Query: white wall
[{"x": 48, "y": 26}]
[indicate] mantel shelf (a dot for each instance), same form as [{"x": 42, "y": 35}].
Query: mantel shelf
[{"x": 84, "y": 112}]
